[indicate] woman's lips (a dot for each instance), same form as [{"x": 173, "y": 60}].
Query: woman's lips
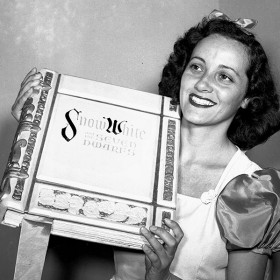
[{"x": 198, "y": 101}]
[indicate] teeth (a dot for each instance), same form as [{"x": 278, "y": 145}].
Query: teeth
[{"x": 202, "y": 101}]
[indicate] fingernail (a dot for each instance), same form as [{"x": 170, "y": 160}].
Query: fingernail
[
  {"x": 145, "y": 247},
  {"x": 153, "y": 228},
  {"x": 42, "y": 88},
  {"x": 143, "y": 230},
  {"x": 44, "y": 84},
  {"x": 167, "y": 220}
]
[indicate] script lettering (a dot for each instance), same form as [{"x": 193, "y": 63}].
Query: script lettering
[
  {"x": 72, "y": 128},
  {"x": 114, "y": 126}
]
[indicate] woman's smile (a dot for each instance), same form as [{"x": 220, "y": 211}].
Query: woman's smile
[{"x": 198, "y": 101}]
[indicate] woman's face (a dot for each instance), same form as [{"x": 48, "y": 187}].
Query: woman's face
[{"x": 214, "y": 82}]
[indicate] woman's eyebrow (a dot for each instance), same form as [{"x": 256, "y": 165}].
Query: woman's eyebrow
[
  {"x": 230, "y": 68},
  {"x": 197, "y": 57}
]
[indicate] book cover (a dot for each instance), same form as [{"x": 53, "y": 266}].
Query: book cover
[{"x": 99, "y": 160}]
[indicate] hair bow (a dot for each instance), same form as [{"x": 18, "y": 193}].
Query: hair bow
[{"x": 241, "y": 22}]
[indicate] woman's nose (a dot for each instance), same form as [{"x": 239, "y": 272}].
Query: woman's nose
[{"x": 204, "y": 84}]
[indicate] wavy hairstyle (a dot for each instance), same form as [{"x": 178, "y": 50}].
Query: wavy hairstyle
[{"x": 252, "y": 125}]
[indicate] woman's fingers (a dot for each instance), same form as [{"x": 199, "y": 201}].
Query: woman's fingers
[
  {"x": 170, "y": 242},
  {"x": 25, "y": 92},
  {"x": 30, "y": 73},
  {"x": 151, "y": 255},
  {"x": 31, "y": 85},
  {"x": 156, "y": 245},
  {"x": 160, "y": 256},
  {"x": 18, "y": 105},
  {"x": 32, "y": 79},
  {"x": 177, "y": 231}
]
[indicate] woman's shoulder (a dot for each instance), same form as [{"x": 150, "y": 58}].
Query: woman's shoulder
[
  {"x": 246, "y": 163},
  {"x": 239, "y": 164},
  {"x": 248, "y": 211}
]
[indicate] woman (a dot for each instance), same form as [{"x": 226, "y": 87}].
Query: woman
[
  {"x": 228, "y": 208},
  {"x": 219, "y": 75}
]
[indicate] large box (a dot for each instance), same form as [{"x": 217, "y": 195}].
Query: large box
[{"x": 99, "y": 160}]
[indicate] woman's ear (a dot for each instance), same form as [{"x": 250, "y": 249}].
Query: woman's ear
[{"x": 245, "y": 103}]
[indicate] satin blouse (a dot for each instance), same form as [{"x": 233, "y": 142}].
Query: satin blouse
[{"x": 243, "y": 211}]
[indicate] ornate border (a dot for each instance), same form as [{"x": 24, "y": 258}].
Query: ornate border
[
  {"x": 169, "y": 161},
  {"x": 92, "y": 207},
  {"x": 29, "y": 122}
]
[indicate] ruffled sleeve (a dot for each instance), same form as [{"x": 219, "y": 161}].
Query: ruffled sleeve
[{"x": 248, "y": 212}]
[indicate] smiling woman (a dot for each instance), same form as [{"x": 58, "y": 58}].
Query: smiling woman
[
  {"x": 219, "y": 75},
  {"x": 227, "y": 221},
  {"x": 214, "y": 82}
]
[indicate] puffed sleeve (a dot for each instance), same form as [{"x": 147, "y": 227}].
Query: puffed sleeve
[{"x": 248, "y": 212}]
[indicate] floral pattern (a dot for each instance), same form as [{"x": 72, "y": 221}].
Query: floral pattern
[{"x": 92, "y": 207}]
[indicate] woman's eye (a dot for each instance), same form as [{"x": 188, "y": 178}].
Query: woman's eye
[
  {"x": 226, "y": 78},
  {"x": 195, "y": 67}
]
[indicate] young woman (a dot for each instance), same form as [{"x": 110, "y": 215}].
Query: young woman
[
  {"x": 219, "y": 75},
  {"x": 227, "y": 223}
]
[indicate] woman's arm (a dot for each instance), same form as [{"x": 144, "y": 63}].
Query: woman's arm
[
  {"x": 246, "y": 265},
  {"x": 276, "y": 266}
]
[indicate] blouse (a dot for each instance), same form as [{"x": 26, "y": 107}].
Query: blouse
[{"x": 242, "y": 212}]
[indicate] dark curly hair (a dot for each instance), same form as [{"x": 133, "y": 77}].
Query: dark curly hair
[{"x": 260, "y": 119}]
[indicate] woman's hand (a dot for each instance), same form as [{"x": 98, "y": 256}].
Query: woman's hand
[
  {"x": 160, "y": 256},
  {"x": 31, "y": 85}
]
